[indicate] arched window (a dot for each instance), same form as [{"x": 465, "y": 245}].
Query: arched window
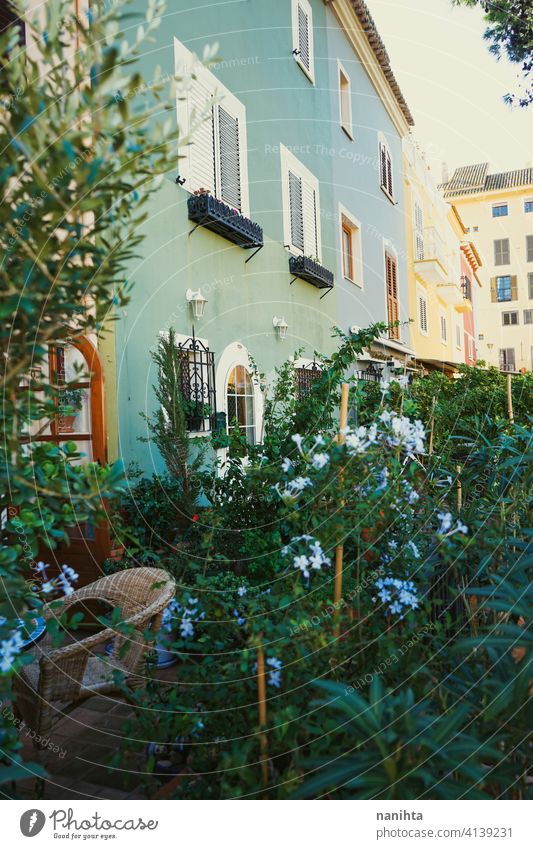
[{"x": 240, "y": 402}]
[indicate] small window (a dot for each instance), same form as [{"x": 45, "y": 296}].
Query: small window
[
  {"x": 530, "y": 285},
  {"x": 240, "y": 402},
  {"x": 302, "y": 36},
  {"x": 501, "y": 252},
  {"x": 385, "y": 169},
  {"x": 509, "y": 318},
  {"x": 502, "y": 288},
  {"x": 301, "y": 206},
  {"x": 305, "y": 377},
  {"x": 422, "y": 313},
  {"x": 458, "y": 336},
  {"x": 529, "y": 248},
  {"x": 528, "y": 206},
  {"x": 352, "y": 266},
  {"x": 345, "y": 102},
  {"x": 475, "y": 229},
  {"x": 443, "y": 329},
  {"x": 507, "y": 360},
  {"x": 472, "y": 348},
  {"x": 499, "y": 210},
  {"x": 528, "y": 316},
  {"x": 393, "y": 308}
]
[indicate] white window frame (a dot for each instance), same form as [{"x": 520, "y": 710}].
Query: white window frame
[
  {"x": 357, "y": 246},
  {"x": 185, "y": 64},
  {"x": 236, "y": 354},
  {"x": 497, "y": 205},
  {"x": 418, "y": 228},
  {"x": 306, "y": 6},
  {"x": 289, "y": 162},
  {"x": 383, "y": 143},
  {"x": 422, "y": 294},
  {"x": 459, "y": 337},
  {"x": 346, "y": 125}
]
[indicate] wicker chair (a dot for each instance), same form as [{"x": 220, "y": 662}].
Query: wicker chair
[{"x": 62, "y": 677}]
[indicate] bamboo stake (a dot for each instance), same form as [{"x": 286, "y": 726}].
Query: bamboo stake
[
  {"x": 510, "y": 398},
  {"x": 339, "y": 550},
  {"x": 261, "y": 703},
  {"x": 459, "y": 490}
]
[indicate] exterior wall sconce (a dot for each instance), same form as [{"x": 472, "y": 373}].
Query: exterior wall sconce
[
  {"x": 197, "y": 302},
  {"x": 281, "y": 327}
]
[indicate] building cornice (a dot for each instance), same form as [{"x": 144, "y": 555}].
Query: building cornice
[{"x": 359, "y": 27}]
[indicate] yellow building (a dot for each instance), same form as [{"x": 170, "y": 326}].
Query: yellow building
[
  {"x": 442, "y": 266},
  {"x": 497, "y": 209}
]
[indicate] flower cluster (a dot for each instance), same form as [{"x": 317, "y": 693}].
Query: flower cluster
[
  {"x": 9, "y": 649},
  {"x": 64, "y": 581},
  {"x": 307, "y": 554},
  {"x": 401, "y": 594},
  {"x": 446, "y": 528},
  {"x": 185, "y": 615},
  {"x": 274, "y": 676}
]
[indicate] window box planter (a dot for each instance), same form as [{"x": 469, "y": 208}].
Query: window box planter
[
  {"x": 311, "y": 271},
  {"x": 209, "y": 212}
]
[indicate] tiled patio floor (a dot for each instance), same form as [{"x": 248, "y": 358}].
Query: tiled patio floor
[{"x": 87, "y": 739}]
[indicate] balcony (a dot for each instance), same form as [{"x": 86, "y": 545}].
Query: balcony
[
  {"x": 430, "y": 257},
  {"x": 210, "y": 212},
  {"x": 311, "y": 271}
]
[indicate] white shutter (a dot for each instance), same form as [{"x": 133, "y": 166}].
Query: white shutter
[
  {"x": 310, "y": 220},
  {"x": 419, "y": 231},
  {"x": 304, "y": 45},
  {"x": 423, "y": 312},
  {"x": 383, "y": 165},
  {"x": 201, "y": 149},
  {"x": 296, "y": 212},
  {"x": 389, "y": 186},
  {"x": 228, "y": 186}
]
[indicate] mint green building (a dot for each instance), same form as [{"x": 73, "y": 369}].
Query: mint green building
[{"x": 284, "y": 217}]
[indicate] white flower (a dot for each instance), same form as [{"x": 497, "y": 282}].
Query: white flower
[
  {"x": 445, "y": 522},
  {"x": 413, "y": 548},
  {"x": 385, "y": 416},
  {"x": 241, "y": 591},
  {"x": 186, "y": 628},
  {"x": 287, "y": 464},
  {"x": 302, "y": 562},
  {"x": 320, "y": 460},
  {"x": 403, "y": 380},
  {"x": 384, "y": 384},
  {"x": 296, "y": 438},
  {"x": 300, "y": 483}
]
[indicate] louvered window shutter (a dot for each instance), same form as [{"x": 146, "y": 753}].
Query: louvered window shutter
[
  {"x": 389, "y": 174},
  {"x": 229, "y": 172},
  {"x": 304, "y": 38},
  {"x": 514, "y": 287},
  {"x": 310, "y": 220},
  {"x": 383, "y": 165},
  {"x": 201, "y": 151},
  {"x": 493, "y": 289},
  {"x": 392, "y": 295},
  {"x": 296, "y": 213},
  {"x": 419, "y": 232},
  {"x": 423, "y": 314}
]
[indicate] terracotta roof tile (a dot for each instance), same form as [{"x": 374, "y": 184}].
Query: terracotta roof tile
[
  {"x": 374, "y": 39},
  {"x": 473, "y": 179}
]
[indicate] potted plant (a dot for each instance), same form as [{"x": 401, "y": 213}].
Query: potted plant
[
  {"x": 196, "y": 412},
  {"x": 69, "y": 400}
]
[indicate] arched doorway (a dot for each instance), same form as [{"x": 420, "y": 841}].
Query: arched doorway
[{"x": 76, "y": 362}]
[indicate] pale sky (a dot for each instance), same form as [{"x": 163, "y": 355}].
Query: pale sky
[{"x": 453, "y": 85}]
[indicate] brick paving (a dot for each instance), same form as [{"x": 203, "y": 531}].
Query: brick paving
[{"x": 87, "y": 739}]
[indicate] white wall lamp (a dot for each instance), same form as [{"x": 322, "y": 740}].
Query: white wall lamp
[
  {"x": 197, "y": 302},
  {"x": 281, "y": 327}
]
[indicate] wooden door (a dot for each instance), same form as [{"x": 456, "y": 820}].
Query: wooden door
[{"x": 78, "y": 364}]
